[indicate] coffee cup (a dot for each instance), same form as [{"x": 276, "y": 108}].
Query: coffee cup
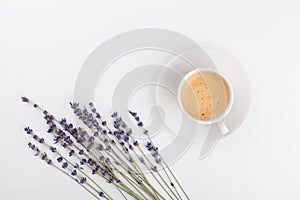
[{"x": 206, "y": 97}]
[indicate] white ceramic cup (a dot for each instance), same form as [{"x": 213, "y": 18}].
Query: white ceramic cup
[{"x": 219, "y": 121}]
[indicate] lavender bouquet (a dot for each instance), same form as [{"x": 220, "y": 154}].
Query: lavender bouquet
[{"x": 111, "y": 153}]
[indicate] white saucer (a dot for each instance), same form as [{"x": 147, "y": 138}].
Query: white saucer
[{"x": 207, "y": 136}]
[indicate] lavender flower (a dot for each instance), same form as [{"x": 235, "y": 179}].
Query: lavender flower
[{"x": 110, "y": 153}]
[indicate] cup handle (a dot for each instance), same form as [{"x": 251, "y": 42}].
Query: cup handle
[
  {"x": 212, "y": 138},
  {"x": 223, "y": 128}
]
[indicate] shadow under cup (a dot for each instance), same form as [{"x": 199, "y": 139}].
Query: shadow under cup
[{"x": 205, "y": 95}]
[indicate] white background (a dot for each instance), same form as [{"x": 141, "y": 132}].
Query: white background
[{"x": 44, "y": 43}]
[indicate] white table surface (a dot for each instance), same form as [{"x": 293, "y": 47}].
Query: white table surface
[{"x": 43, "y": 45}]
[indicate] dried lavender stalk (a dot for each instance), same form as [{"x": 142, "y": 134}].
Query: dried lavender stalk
[{"x": 111, "y": 153}]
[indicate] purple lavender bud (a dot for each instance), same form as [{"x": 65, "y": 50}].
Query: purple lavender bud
[
  {"x": 136, "y": 143},
  {"x": 83, "y": 180},
  {"x": 140, "y": 124},
  {"x": 83, "y": 161},
  {"x": 104, "y": 172},
  {"x": 110, "y": 180},
  {"x": 44, "y": 156},
  {"x": 60, "y": 159},
  {"x": 64, "y": 165},
  {"x": 41, "y": 140},
  {"x": 70, "y": 143},
  {"x": 101, "y": 158},
  {"x": 118, "y": 137},
  {"x": 116, "y": 126},
  {"x": 72, "y": 105},
  {"x": 25, "y": 99},
  {"x": 91, "y": 162},
  {"x": 115, "y": 114},
  {"x": 149, "y": 144},
  {"x": 129, "y": 132},
  {"x": 52, "y": 149},
  {"x": 63, "y": 121},
  {"x": 37, "y": 152},
  {"x": 96, "y": 134},
  {"x": 107, "y": 161},
  {"x": 74, "y": 173},
  {"x": 155, "y": 154},
  {"x": 91, "y": 139},
  {"x": 90, "y": 146},
  {"x": 81, "y": 140},
  {"x": 98, "y": 167},
  {"x": 158, "y": 160},
  {"x": 154, "y": 168},
  {"x": 133, "y": 113},
  {"x": 100, "y": 147},
  {"x": 119, "y": 120},
  {"x": 90, "y": 116},
  {"x": 126, "y": 138},
  {"x": 81, "y": 152},
  {"x": 71, "y": 153},
  {"x": 76, "y": 166}
]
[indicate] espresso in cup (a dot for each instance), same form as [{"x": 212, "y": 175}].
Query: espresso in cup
[{"x": 205, "y": 95}]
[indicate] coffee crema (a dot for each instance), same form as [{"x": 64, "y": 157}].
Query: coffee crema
[{"x": 205, "y": 95}]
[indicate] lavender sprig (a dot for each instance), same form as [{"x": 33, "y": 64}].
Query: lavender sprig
[
  {"x": 105, "y": 152},
  {"x": 81, "y": 180},
  {"x": 155, "y": 153}
]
